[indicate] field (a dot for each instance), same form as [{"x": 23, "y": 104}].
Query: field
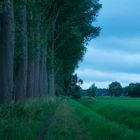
[{"x": 67, "y": 119}]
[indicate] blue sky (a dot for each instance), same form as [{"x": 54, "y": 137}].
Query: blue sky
[{"x": 115, "y": 54}]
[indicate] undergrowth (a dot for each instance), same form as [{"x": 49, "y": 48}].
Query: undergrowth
[{"x": 23, "y": 121}]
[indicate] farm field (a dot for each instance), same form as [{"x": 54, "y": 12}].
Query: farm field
[
  {"x": 116, "y": 120},
  {"x": 67, "y": 119},
  {"x": 122, "y": 110}
]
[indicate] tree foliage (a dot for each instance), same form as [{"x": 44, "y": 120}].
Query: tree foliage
[
  {"x": 50, "y": 39},
  {"x": 133, "y": 90},
  {"x": 115, "y": 89},
  {"x": 92, "y": 90}
]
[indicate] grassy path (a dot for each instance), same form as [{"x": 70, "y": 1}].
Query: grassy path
[
  {"x": 42, "y": 132},
  {"x": 63, "y": 124}
]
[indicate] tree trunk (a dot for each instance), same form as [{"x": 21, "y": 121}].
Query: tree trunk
[
  {"x": 21, "y": 81},
  {"x": 1, "y": 18},
  {"x": 30, "y": 75},
  {"x": 52, "y": 79},
  {"x": 36, "y": 76},
  {"x": 30, "y": 80},
  {"x": 37, "y": 59},
  {"x": 7, "y": 51},
  {"x": 52, "y": 63},
  {"x": 45, "y": 77},
  {"x": 41, "y": 85}
]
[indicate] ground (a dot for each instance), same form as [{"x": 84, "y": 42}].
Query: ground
[
  {"x": 95, "y": 118},
  {"x": 68, "y": 119}
]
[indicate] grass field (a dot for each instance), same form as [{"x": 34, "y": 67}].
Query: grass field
[
  {"x": 68, "y": 119},
  {"x": 122, "y": 110},
  {"x": 99, "y": 127}
]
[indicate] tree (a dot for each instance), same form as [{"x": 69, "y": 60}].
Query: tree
[
  {"x": 22, "y": 46},
  {"x": 7, "y": 51},
  {"x": 115, "y": 89},
  {"x": 74, "y": 87},
  {"x": 41, "y": 44},
  {"x": 70, "y": 48},
  {"x": 133, "y": 90},
  {"x": 92, "y": 90}
]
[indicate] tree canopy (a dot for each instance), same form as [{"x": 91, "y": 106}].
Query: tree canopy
[
  {"x": 133, "y": 90},
  {"x": 115, "y": 89},
  {"x": 41, "y": 43}
]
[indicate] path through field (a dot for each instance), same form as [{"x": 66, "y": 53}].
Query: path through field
[{"x": 62, "y": 125}]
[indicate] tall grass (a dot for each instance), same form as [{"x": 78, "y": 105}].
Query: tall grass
[{"x": 23, "y": 121}]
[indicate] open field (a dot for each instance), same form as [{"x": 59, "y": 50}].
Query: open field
[
  {"x": 68, "y": 119},
  {"x": 98, "y": 126},
  {"x": 122, "y": 110}
]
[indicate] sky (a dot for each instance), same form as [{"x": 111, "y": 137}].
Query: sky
[{"x": 115, "y": 54}]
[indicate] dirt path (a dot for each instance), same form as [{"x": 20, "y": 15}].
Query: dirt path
[
  {"x": 74, "y": 122},
  {"x": 42, "y": 132},
  {"x": 63, "y": 125}
]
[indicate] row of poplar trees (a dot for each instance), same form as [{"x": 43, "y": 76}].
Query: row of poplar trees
[{"x": 41, "y": 43}]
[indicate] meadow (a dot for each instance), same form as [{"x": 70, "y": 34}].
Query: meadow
[
  {"x": 121, "y": 114},
  {"x": 88, "y": 118},
  {"x": 122, "y": 110}
]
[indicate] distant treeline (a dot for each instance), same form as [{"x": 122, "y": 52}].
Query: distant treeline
[
  {"x": 114, "y": 89},
  {"x": 41, "y": 43},
  {"x": 132, "y": 90}
]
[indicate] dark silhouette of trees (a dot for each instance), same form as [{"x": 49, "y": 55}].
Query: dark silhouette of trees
[
  {"x": 133, "y": 90},
  {"x": 115, "y": 89},
  {"x": 7, "y": 51},
  {"x": 41, "y": 43}
]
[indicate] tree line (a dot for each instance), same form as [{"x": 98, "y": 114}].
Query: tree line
[
  {"x": 132, "y": 90},
  {"x": 114, "y": 89},
  {"x": 41, "y": 43}
]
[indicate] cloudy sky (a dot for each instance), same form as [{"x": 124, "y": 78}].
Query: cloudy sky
[{"x": 115, "y": 55}]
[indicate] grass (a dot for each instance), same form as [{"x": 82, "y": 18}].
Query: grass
[
  {"x": 122, "y": 110},
  {"x": 97, "y": 127},
  {"x": 64, "y": 125},
  {"x": 67, "y": 119},
  {"x": 23, "y": 121}
]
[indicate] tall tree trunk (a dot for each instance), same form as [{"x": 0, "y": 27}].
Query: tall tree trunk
[
  {"x": 41, "y": 70},
  {"x": 36, "y": 75},
  {"x": 52, "y": 85},
  {"x": 45, "y": 77},
  {"x": 30, "y": 75},
  {"x": 7, "y": 51},
  {"x": 30, "y": 80},
  {"x": 21, "y": 81},
  {"x": 37, "y": 59},
  {"x": 52, "y": 63},
  {"x": 52, "y": 77},
  {"x": 1, "y": 18}
]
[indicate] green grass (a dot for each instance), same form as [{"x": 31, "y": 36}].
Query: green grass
[
  {"x": 84, "y": 119},
  {"x": 24, "y": 121},
  {"x": 64, "y": 125},
  {"x": 122, "y": 110},
  {"x": 97, "y": 127}
]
